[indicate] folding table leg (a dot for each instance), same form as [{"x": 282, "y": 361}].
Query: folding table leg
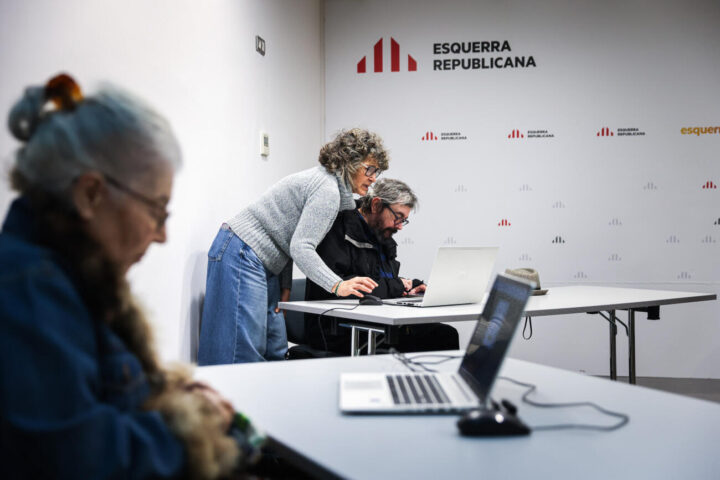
[
  {"x": 613, "y": 336},
  {"x": 372, "y": 343},
  {"x": 354, "y": 341},
  {"x": 631, "y": 346}
]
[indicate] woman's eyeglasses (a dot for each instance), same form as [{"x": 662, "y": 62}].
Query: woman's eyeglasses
[
  {"x": 399, "y": 219},
  {"x": 157, "y": 210},
  {"x": 371, "y": 170}
]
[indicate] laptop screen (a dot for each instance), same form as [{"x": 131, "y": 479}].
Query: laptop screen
[{"x": 494, "y": 331}]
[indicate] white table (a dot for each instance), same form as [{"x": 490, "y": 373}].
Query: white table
[
  {"x": 558, "y": 301},
  {"x": 296, "y": 403}
]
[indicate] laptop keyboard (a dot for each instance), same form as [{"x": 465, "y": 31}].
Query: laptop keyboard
[{"x": 416, "y": 389}]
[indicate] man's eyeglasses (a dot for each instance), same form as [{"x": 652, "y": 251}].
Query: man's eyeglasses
[
  {"x": 371, "y": 170},
  {"x": 157, "y": 210},
  {"x": 399, "y": 219}
]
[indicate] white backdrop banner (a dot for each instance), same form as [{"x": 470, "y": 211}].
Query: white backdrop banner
[{"x": 584, "y": 141}]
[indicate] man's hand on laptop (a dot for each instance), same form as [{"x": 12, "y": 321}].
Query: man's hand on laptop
[{"x": 410, "y": 290}]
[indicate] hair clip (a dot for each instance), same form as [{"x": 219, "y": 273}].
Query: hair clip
[{"x": 63, "y": 91}]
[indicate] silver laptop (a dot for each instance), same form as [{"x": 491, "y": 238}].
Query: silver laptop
[
  {"x": 459, "y": 275},
  {"x": 425, "y": 392}
]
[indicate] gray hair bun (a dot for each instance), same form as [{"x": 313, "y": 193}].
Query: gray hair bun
[
  {"x": 26, "y": 114},
  {"x": 65, "y": 135}
]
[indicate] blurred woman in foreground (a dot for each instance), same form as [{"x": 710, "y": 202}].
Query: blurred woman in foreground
[{"x": 82, "y": 393}]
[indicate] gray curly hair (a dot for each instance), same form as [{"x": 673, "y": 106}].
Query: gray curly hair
[
  {"x": 349, "y": 149},
  {"x": 390, "y": 191},
  {"x": 112, "y": 132}
]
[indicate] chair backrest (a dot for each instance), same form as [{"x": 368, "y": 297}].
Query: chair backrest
[{"x": 295, "y": 321}]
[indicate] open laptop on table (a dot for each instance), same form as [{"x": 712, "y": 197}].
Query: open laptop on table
[
  {"x": 425, "y": 392},
  {"x": 459, "y": 275}
]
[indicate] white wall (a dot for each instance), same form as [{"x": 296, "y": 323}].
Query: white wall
[
  {"x": 645, "y": 64},
  {"x": 196, "y": 62}
]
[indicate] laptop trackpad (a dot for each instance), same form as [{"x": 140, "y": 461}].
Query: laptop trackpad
[{"x": 363, "y": 384}]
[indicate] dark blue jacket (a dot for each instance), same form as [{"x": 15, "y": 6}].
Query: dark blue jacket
[{"x": 70, "y": 391}]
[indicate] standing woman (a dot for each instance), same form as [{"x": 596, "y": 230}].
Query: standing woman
[
  {"x": 82, "y": 394},
  {"x": 252, "y": 255}
]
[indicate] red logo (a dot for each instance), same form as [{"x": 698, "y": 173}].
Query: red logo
[
  {"x": 394, "y": 58},
  {"x": 504, "y": 223},
  {"x": 429, "y": 136},
  {"x": 709, "y": 184},
  {"x": 605, "y": 132},
  {"x": 516, "y": 134}
]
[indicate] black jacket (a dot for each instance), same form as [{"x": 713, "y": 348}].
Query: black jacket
[{"x": 352, "y": 249}]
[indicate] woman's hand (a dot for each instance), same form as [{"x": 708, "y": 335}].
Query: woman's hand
[
  {"x": 356, "y": 286},
  {"x": 407, "y": 285},
  {"x": 284, "y": 297},
  {"x": 221, "y": 404}
]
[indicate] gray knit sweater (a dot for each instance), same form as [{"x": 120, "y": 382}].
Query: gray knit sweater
[{"x": 291, "y": 219}]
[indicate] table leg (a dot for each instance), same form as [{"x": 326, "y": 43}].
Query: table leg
[
  {"x": 355, "y": 347},
  {"x": 631, "y": 346},
  {"x": 354, "y": 341},
  {"x": 371, "y": 342},
  {"x": 613, "y": 336}
]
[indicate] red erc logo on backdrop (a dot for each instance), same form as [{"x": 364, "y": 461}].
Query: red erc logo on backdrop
[{"x": 394, "y": 59}]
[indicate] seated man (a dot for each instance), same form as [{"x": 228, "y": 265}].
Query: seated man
[{"x": 360, "y": 243}]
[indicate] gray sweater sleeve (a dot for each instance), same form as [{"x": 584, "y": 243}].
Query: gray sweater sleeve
[
  {"x": 317, "y": 217},
  {"x": 291, "y": 219}
]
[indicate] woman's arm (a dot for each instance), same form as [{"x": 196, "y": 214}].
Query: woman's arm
[
  {"x": 318, "y": 214},
  {"x": 317, "y": 217}
]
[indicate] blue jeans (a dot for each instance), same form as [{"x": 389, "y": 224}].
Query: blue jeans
[{"x": 239, "y": 323}]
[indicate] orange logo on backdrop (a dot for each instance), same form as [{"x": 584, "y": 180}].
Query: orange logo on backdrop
[{"x": 699, "y": 130}]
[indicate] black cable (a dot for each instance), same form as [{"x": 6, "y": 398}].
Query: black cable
[
  {"x": 322, "y": 332},
  {"x": 528, "y": 320},
  {"x": 399, "y": 356},
  {"x": 411, "y": 363},
  {"x": 624, "y": 419},
  {"x": 443, "y": 358}
]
